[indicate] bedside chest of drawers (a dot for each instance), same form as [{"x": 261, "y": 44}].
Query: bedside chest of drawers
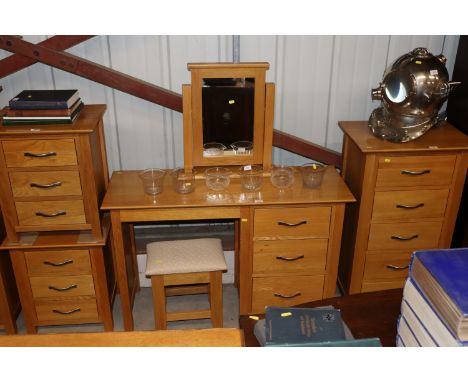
[
  {"x": 64, "y": 278},
  {"x": 408, "y": 196},
  {"x": 53, "y": 177}
]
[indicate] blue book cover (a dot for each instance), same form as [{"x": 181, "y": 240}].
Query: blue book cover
[
  {"x": 302, "y": 326},
  {"x": 442, "y": 276}
]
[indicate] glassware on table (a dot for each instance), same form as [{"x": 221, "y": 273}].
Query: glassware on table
[
  {"x": 217, "y": 178},
  {"x": 211, "y": 149},
  {"x": 282, "y": 177},
  {"x": 183, "y": 182},
  {"x": 312, "y": 174},
  {"x": 153, "y": 180},
  {"x": 251, "y": 177}
]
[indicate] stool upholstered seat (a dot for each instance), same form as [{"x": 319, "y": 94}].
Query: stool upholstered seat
[
  {"x": 184, "y": 256},
  {"x": 182, "y": 264}
]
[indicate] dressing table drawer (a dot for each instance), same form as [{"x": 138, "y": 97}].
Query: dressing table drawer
[
  {"x": 50, "y": 212},
  {"x": 45, "y": 183},
  {"x": 66, "y": 311},
  {"x": 290, "y": 256},
  {"x": 285, "y": 291},
  {"x": 40, "y": 152},
  {"x": 387, "y": 266},
  {"x": 292, "y": 222}
]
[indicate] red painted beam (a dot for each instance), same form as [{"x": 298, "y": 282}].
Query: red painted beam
[
  {"x": 93, "y": 72},
  {"x": 305, "y": 148},
  {"x": 16, "y": 62}
]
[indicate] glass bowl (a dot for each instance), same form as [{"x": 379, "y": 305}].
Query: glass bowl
[
  {"x": 217, "y": 178},
  {"x": 251, "y": 177},
  {"x": 212, "y": 149},
  {"x": 282, "y": 177},
  {"x": 242, "y": 147},
  {"x": 153, "y": 180},
  {"x": 312, "y": 174},
  {"x": 182, "y": 182}
]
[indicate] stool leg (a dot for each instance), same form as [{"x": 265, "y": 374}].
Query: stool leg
[
  {"x": 159, "y": 302},
  {"x": 216, "y": 299}
]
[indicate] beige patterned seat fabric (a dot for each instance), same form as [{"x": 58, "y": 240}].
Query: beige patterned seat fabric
[{"x": 184, "y": 256}]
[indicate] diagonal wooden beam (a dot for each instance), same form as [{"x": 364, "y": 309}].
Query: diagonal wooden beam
[
  {"x": 15, "y": 62},
  {"x": 93, "y": 72}
]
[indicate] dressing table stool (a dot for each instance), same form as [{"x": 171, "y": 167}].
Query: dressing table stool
[{"x": 186, "y": 262}]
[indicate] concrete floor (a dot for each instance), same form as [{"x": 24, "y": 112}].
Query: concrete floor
[{"x": 143, "y": 313}]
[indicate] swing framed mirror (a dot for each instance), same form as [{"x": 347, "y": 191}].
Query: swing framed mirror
[{"x": 228, "y": 115}]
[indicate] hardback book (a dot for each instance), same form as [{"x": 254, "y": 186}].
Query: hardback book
[
  {"x": 43, "y": 113},
  {"x": 405, "y": 334},
  {"x": 425, "y": 321},
  {"x": 442, "y": 276},
  {"x": 302, "y": 326},
  {"x": 11, "y": 121},
  {"x": 44, "y": 99}
]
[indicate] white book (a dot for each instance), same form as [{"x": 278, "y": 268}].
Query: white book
[
  {"x": 429, "y": 319},
  {"x": 406, "y": 335},
  {"x": 419, "y": 331}
]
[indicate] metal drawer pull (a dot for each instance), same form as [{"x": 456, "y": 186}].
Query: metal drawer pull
[
  {"x": 52, "y": 215},
  {"x": 50, "y": 185},
  {"x": 41, "y": 155},
  {"x": 289, "y": 258},
  {"x": 58, "y": 264},
  {"x": 290, "y": 296},
  {"x": 408, "y": 172},
  {"x": 396, "y": 267},
  {"x": 407, "y": 207},
  {"x": 72, "y": 286},
  {"x": 292, "y": 224},
  {"x": 396, "y": 237},
  {"x": 67, "y": 312}
]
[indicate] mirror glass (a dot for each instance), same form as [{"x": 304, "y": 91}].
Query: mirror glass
[{"x": 228, "y": 116}]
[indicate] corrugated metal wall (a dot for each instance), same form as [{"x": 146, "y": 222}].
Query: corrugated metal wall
[{"x": 320, "y": 80}]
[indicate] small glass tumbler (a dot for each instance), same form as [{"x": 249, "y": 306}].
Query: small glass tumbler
[
  {"x": 217, "y": 178},
  {"x": 183, "y": 182},
  {"x": 251, "y": 177},
  {"x": 312, "y": 174},
  {"x": 282, "y": 177},
  {"x": 153, "y": 180}
]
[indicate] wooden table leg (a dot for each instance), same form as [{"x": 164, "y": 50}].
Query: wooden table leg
[{"x": 121, "y": 270}]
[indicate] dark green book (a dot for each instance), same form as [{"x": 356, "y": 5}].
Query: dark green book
[
  {"x": 302, "y": 326},
  {"x": 11, "y": 121}
]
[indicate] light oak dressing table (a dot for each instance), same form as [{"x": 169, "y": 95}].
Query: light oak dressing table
[{"x": 287, "y": 243}]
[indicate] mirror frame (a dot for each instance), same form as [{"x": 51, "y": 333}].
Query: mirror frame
[{"x": 193, "y": 118}]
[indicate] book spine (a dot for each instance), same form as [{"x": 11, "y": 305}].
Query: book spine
[
  {"x": 30, "y": 105},
  {"x": 36, "y": 122}
]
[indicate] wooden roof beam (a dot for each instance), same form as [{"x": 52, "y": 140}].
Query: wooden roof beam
[
  {"x": 92, "y": 71},
  {"x": 16, "y": 62}
]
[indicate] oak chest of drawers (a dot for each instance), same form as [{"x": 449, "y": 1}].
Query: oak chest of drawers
[
  {"x": 64, "y": 278},
  {"x": 53, "y": 177},
  {"x": 408, "y": 196}
]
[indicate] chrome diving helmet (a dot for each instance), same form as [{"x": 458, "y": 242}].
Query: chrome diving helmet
[{"x": 412, "y": 92}]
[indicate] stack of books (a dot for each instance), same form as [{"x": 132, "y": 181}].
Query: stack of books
[
  {"x": 434, "y": 310},
  {"x": 312, "y": 327},
  {"x": 43, "y": 107}
]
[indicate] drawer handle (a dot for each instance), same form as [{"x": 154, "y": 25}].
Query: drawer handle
[
  {"x": 50, "y": 185},
  {"x": 58, "y": 264},
  {"x": 52, "y": 215},
  {"x": 67, "y": 312},
  {"x": 41, "y": 155},
  {"x": 396, "y": 237},
  {"x": 396, "y": 267},
  {"x": 292, "y": 224},
  {"x": 408, "y": 172},
  {"x": 64, "y": 289},
  {"x": 408, "y": 207},
  {"x": 289, "y": 258},
  {"x": 286, "y": 296}
]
